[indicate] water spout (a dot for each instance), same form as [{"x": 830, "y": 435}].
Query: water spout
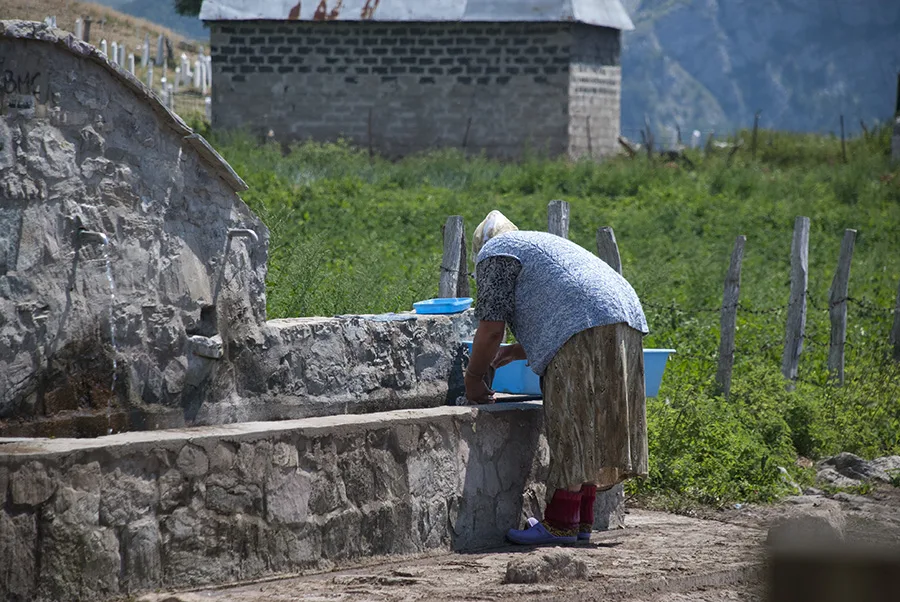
[
  {"x": 244, "y": 233},
  {"x": 84, "y": 233}
]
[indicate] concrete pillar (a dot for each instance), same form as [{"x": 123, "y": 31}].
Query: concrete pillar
[
  {"x": 103, "y": 48},
  {"x": 122, "y": 55},
  {"x": 79, "y": 29},
  {"x": 114, "y": 52},
  {"x": 87, "y": 30}
]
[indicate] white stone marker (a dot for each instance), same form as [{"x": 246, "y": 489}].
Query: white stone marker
[
  {"x": 131, "y": 63},
  {"x": 204, "y": 74},
  {"x": 150, "y": 76},
  {"x": 145, "y": 51},
  {"x": 695, "y": 139},
  {"x": 114, "y": 52},
  {"x": 122, "y": 55},
  {"x": 160, "y": 51},
  {"x": 197, "y": 73},
  {"x": 177, "y": 79},
  {"x": 103, "y": 48},
  {"x": 79, "y": 29},
  {"x": 207, "y": 102}
]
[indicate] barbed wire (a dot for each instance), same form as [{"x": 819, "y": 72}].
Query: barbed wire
[{"x": 869, "y": 306}]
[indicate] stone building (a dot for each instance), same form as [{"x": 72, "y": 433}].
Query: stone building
[{"x": 400, "y": 76}]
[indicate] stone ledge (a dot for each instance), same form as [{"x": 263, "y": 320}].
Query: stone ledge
[{"x": 139, "y": 511}]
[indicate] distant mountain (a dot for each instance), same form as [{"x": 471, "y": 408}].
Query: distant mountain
[
  {"x": 163, "y": 13},
  {"x": 711, "y": 64}
]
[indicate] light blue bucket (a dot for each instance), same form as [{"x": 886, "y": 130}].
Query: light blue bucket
[{"x": 517, "y": 378}]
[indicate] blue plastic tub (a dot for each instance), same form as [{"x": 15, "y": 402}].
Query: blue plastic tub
[
  {"x": 518, "y": 379},
  {"x": 654, "y": 366},
  {"x": 448, "y": 305}
]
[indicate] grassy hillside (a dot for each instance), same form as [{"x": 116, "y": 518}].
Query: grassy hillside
[
  {"x": 352, "y": 235},
  {"x": 107, "y": 23}
]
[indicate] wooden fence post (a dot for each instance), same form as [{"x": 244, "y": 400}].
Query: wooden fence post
[
  {"x": 608, "y": 249},
  {"x": 895, "y": 331},
  {"x": 452, "y": 267},
  {"x": 558, "y": 218},
  {"x": 796, "y": 315},
  {"x": 843, "y": 142},
  {"x": 837, "y": 307},
  {"x": 369, "y": 136},
  {"x": 590, "y": 141},
  {"x": 755, "y": 132},
  {"x": 728, "y": 320}
]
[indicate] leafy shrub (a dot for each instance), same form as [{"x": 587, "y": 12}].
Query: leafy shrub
[{"x": 357, "y": 234}]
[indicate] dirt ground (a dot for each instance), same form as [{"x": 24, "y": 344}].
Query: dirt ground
[{"x": 657, "y": 557}]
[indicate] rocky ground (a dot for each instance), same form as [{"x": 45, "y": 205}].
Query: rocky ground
[{"x": 713, "y": 555}]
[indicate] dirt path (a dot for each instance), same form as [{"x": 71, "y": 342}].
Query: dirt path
[{"x": 658, "y": 557}]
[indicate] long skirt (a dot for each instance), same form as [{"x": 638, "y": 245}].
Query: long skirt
[{"x": 595, "y": 414}]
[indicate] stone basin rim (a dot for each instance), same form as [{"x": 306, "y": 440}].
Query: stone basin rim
[{"x": 18, "y": 447}]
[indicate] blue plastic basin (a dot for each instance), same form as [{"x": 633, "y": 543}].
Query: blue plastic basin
[
  {"x": 517, "y": 377},
  {"x": 448, "y": 305},
  {"x": 654, "y": 366}
]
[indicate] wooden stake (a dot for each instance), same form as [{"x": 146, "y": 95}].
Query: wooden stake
[
  {"x": 796, "y": 318},
  {"x": 371, "y": 147},
  {"x": 608, "y": 249},
  {"x": 728, "y": 320},
  {"x": 895, "y": 331},
  {"x": 462, "y": 281},
  {"x": 843, "y": 142},
  {"x": 649, "y": 137},
  {"x": 558, "y": 218},
  {"x": 837, "y": 308},
  {"x": 590, "y": 142},
  {"x": 709, "y": 143},
  {"x": 897, "y": 107},
  {"x": 628, "y": 148},
  {"x": 755, "y": 132},
  {"x": 454, "y": 239},
  {"x": 466, "y": 135}
]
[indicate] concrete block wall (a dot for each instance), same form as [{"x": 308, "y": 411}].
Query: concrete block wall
[
  {"x": 407, "y": 87},
  {"x": 595, "y": 86},
  {"x": 100, "y": 519}
]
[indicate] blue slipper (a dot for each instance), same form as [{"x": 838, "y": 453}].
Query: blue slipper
[{"x": 537, "y": 534}]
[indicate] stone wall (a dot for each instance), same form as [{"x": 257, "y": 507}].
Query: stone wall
[
  {"x": 94, "y": 519},
  {"x": 595, "y": 86},
  {"x": 499, "y": 87},
  {"x": 84, "y": 145},
  {"x": 182, "y": 337}
]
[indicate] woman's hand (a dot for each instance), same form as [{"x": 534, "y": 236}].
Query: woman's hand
[
  {"x": 477, "y": 391},
  {"x": 508, "y": 354}
]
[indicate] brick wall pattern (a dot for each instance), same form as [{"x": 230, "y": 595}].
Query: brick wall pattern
[{"x": 407, "y": 87}]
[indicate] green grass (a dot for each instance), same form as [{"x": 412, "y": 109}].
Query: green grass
[{"x": 352, "y": 234}]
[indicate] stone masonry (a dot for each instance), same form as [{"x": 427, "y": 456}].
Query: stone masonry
[
  {"x": 501, "y": 88},
  {"x": 181, "y": 338},
  {"x": 96, "y": 519},
  {"x": 84, "y": 325}
]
